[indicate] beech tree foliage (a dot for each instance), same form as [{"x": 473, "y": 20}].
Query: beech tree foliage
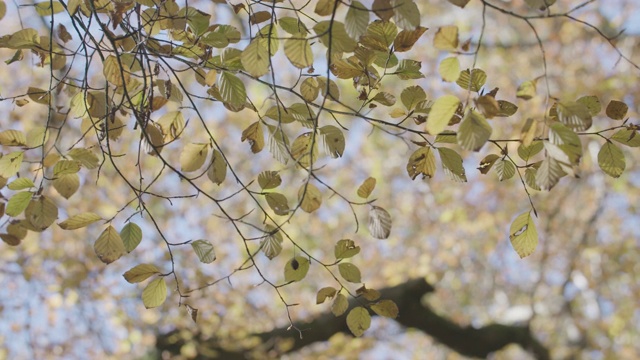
[{"x": 139, "y": 92}]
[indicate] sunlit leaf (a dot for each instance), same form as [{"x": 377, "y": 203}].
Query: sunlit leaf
[
  {"x": 10, "y": 164},
  {"x": 349, "y": 272},
  {"x": 278, "y": 203},
  {"x": 155, "y": 293},
  {"x": 523, "y": 235},
  {"x": 140, "y": 273},
  {"x": 271, "y": 245},
  {"x": 324, "y": 294},
  {"x": 549, "y": 173},
  {"x": 574, "y": 115},
  {"x": 627, "y": 137},
  {"x": 18, "y": 203},
  {"x": 411, "y": 96},
  {"x": 21, "y": 184},
  {"x": 269, "y": 179},
  {"x": 309, "y": 89},
  {"x": 405, "y": 14},
  {"x": 386, "y": 308},
  {"x": 66, "y": 184},
  {"x": 449, "y": 69},
  {"x": 193, "y": 156},
  {"x": 527, "y": 90},
  {"x": 505, "y": 169},
  {"x": 109, "y": 246},
  {"x": 358, "y": 321},
  {"x": 506, "y": 108},
  {"x": 356, "y": 20},
  {"x": 611, "y": 160},
  {"x": 441, "y": 112},
  {"x": 366, "y": 188},
  {"x": 253, "y": 133},
  {"x": 474, "y": 131},
  {"x": 79, "y": 221},
  {"x": 384, "y": 98},
  {"x": 422, "y": 162},
  {"x": 332, "y": 140},
  {"x": 340, "y": 305},
  {"x": 232, "y": 89},
  {"x": 472, "y": 80},
  {"x": 12, "y": 138},
  {"x": 131, "y": 235},
  {"x": 446, "y": 38},
  {"x": 217, "y": 170},
  {"x": 527, "y": 152},
  {"x": 309, "y": 197},
  {"x": 592, "y": 103},
  {"x": 296, "y": 269},
  {"x": 304, "y": 151},
  {"x": 86, "y": 157},
  {"x": 346, "y": 248},
  {"x": 452, "y": 164}
]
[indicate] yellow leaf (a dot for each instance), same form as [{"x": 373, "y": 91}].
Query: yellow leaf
[
  {"x": 193, "y": 156},
  {"x": 109, "y": 246},
  {"x": 155, "y": 293},
  {"x": 309, "y": 197},
  {"x": 358, "y": 320},
  {"x": 66, "y": 184},
  {"x": 449, "y": 69},
  {"x": 41, "y": 212},
  {"x": 523, "y": 235},
  {"x": 366, "y": 188},
  {"x": 79, "y": 221},
  {"x": 441, "y": 113},
  {"x": 140, "y": 273},
  {"x": 446, "y": 38}
]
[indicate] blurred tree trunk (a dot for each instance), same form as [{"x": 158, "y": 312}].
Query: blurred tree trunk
[{"x": 466, "y": 340}]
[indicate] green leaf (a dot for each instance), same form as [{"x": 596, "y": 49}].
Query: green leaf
[
  {"x": 549, "y": 173},
  {"x": 18, "y": 203},
  {"x": 474, "y": 131},
  {"x": 409, "y": 69},
  {"x": 155, "y": 293},
  {"x": 66, "y": 167},
  {"x": 356, "y": 20},
  {"x": 523, "y": 235},
  {"x": 333, "y": 35},
  {"x": 140, "y": 273},
  {"x": 574, "y": 115},
  {"x": 21, "y": 184},
  {"x": 131, "y": 235},
  {"x": 340, "y": 305},
  {"x": 379, "y": 222},
  {"x": 384, "y": 98},
  {"x": 204, "y": 250},
  {"x": 217, "y": 171},
  {"x": 12, "y": 138},
  {"x": 232, "y": 89},
  {"x": 421, "y": 162},
  {"x": 611, "y": 160},
  {"x": 386, "y": 308},
  {"x": 66, "y": 184},
  {"x": 296, "y": 269},
  {"x": 37, "y": 136},
  {"x": 79, "y": 221},
  {"x": 109, "y": 246},
  {"x": 567, "y": 140},
  {"x": 449, "y": 69},
  {"x": 627, "y": 137},
  {"x": 278, "y": 203},
  {"x": 349, "y": 272},
  {"x": 86, "y": 157},
  {"x": 41, "y": 212},
  {"x": 269, "y": 179},
  {"x": 412, "y": 96},
  {"x": 441, "y": 112},
  {"x": 332, "y": 140},
  {"x": 255, "y": 58},
  {"x": 591, "y": 103},
  {"x": 346, "y": 248},
  {"x": 530, "y": 178},
  {"x": 506, "y": 108},
  {"x": 324, "y": 294},
  {"x": 278, "y": 144},
  {"x": 271, "y": 245},
  {"x": 505, "y": 169},
  {"x": 452, "y": 164},
  {"x": 298, "y": 51},
  {"x": 447, "y": 137},
  {"x": 309, "y": 197},
  {"x": 358, "y": 320},
  {"x": 406, "y": 14},
  {"x": 616, "y": 110},
  {"x": 527, "y": 152},
  {"x": 10, "y": 164},
  {"x": 472, "y": 80},
  {"x": 193, "y": 156}
]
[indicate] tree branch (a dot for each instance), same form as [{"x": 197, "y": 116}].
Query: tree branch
[{"x": 466, "y": 340}]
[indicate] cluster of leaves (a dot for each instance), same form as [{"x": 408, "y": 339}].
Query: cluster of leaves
[{"x": 147, "y": 45}]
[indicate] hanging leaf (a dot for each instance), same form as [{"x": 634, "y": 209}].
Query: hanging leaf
[
  {"x": 12, "y": 138},
  {"x": 523, "y": 235},
  {"x": 611, "y": 160},
  {"x": 369, "y": 294},
  {"x": 155, "y": 293},
  {"x": 446, "y": 38},
  {"x": 79, "y": 221},
  {"x": 116, "y": 72},
  {"x": 358, "y": 321},
  {"x": 549, "y": 173},
  {"x": 616, "y": 110},
  {"x": 66, "y": 184},
  {"x": 269, "y": 179},
  {"x": 472, "y": 80},
  {"x": 592, "y": 103},
  {"x": 452, "y": 164},
  {"x": 131, "y": 235},
  {"x": 487, "y": 163},
  {"x": 309, "y": 89},
  {"x": 328, "y": 88},
  {"x": 193, "y": 156},
  {"x": 574, "y": 115},
  {"x": 10, "y": 164},
  {"x": 488, "y": 106},
  {"x": 386, "y": 308},
  {"x": 346, "y": 248},
  {"x": 278, "y": 203},
  {"x": 449, "y": 69},
  {"x": 254, "y": 134},
  {"x": 627, "y": 137},
  {"x": 527, "y": 152},
  {"x": 379, "y": 222},
  {"x": 356, "y": 20},
  {"x": 298, "y": 51},
  {"x": 303, "y": 151},
  {"x": 340, "y": 305},
  {"x": 422, "y": 162},
  {"x": 86, "y": 157},
  {"x": 460, "y": 3},
  {"x": 232, "y": 89},
  {"x": 406, "y": 14},
  {"x": 278, "y": 144},
  {"x": 349, "y": 272},
  {"x": 271, "y": 245},
  {"x": 474, "y": 131},
  {"x": 41, "y": 212},
  {"x": 530, "y": 178},
  {"x": 333, "y": 35},
  {"x": 506, "y": 109},
  {"x": 412, "y": 96},
  {"x": 217, "y": 171},
  {"x": 309, "y": 197},
  {"x": 109, "y": 246},
  {"x": 384, "y": 98},
  {"x": 324, "y": 294},
  {"x": 505, "y": 169},
  {"x": 367, "y": 187},
  {"x": 21, "y": 184},
  {"x": 333, "y": 140},
  {"x": 441, "y": 112},
  {"x": 18, "y": 203},
  {"x": 296, "y": 269},
  {"x": 140, "y": 273},
  {"x": 325, "y": 7},
  {"x": 204, "y": 250},
  {"x": 407, "y": 38}
]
